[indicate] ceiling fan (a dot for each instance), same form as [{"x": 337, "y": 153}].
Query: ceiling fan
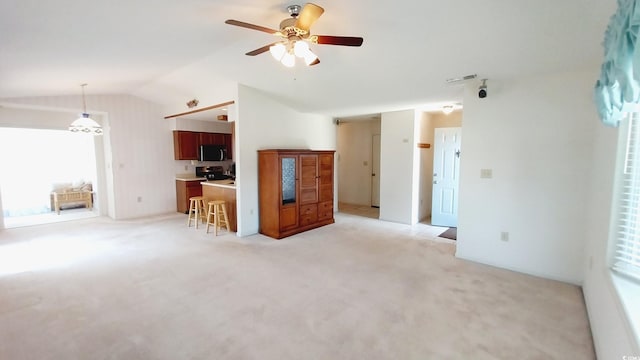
[{"x": 296, "y": 36}]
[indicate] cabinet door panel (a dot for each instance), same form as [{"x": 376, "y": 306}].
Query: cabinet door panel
[
  {"x": 308, "y": 179},
  {"x": 228, "y": 142},
  {"x": 185, "y": 144},
  {"x": 194, "y": 189},
  {"x": 288, "y": 218},
  {"x": 326, "y": 177},
  {"x": 288, "y": 179},
  {"x": 326, "y": 192}
]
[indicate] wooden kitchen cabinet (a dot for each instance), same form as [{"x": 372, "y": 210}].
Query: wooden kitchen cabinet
[
  {"x": 295, "y": 191},
  {"x": 186, "y": 144},
  {"x": 212, "y": 138},
  {"x": 184, "y": 190},
  {"x": 228, "y": 143}
]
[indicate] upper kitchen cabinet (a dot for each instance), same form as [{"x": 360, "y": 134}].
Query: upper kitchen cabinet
[
  {"x": 228, "y": 142},
  {"x": 212, "y": 138},
  {"x": 185, "y": 145}
]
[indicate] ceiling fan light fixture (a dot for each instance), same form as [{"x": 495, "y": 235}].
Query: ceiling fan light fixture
[
  {"x": 277, "y": 51},
  {"x": 295, "y": 36},
  {"x": 288, "y": 60},
  {"x": 447, "y": 109}
]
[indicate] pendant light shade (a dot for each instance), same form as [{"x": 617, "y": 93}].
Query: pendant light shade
[{"x": 85, "y": 124}]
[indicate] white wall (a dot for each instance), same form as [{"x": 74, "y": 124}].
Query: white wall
[
  {"x": 138, "y": 150},
  {"x": 35, "y": 118},
  {"x": 553, "y": 171},
  {"x": 265, "y": 123},
  {"x": 354, "y": 160},
  {"x": 399, "y": 167},
  {"x": 536, "y": 135}
]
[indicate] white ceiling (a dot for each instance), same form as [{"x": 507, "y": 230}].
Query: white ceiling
[{"x": 171, "y": 51}]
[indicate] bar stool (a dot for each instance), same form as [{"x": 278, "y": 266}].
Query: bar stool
[
  {"x": 196, "y": 207},
  {"x": 217, "y": 209}
]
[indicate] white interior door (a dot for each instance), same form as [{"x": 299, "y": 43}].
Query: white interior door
[
  {"x": 375, "y": 171},
  {"x": 446, "y": 176}
]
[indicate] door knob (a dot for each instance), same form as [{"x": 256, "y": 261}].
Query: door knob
[{"x": 435, "y": 181}]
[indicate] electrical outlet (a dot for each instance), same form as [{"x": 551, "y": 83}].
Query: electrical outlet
[
  {"x": 186, "y": 167},
  {"x": 139, "y": 198},
  {"x": 486, "y": 173},
  {"x": 504, "y": 236}
]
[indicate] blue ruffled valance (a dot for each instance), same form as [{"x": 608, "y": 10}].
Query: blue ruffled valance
[{"x": 619, "y": 83}]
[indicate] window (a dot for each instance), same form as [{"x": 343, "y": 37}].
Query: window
[{"x": 626, "y": 254}]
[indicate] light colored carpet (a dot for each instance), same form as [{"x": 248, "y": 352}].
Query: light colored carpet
[{"x": 357, "y": 289}]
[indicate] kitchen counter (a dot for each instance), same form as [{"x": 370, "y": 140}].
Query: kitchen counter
[
  {"x": 222, "y": 190},
  {"x": 228, "y": 184},
  {"x": 189, "y": 178}
]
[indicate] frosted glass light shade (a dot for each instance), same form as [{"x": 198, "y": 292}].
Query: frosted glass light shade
[
  {"x": 85, "y": 124},
  {"x": 288, "y": 60},
  {"x": 309, "y": 57},
  {"x": 447, "y": 109},
  {"x": 300, "y": 48},
  {"x": 277, "y": 51}
]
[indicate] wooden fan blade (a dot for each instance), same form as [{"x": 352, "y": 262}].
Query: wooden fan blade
[
  {"x": 316, "y": 62},
  {"x": 250, "y": 26},
  {"x": 309, "y": 14},
  {"x": 259, "y": 50},
  {"x": 339, "y": 40}
]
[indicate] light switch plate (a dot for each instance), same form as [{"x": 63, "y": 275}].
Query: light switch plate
[{"x": 486, "y": 173}]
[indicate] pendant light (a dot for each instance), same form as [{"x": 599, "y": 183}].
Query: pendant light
[{"x": 85, "y": 124}]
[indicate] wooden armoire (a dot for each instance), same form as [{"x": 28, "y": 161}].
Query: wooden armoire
[{"x": 295, "y": 190}]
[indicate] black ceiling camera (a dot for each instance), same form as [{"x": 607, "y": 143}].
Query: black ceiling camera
[{"x": 482, "y": 90}]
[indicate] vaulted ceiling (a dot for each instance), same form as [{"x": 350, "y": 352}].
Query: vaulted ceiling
[{"x": 172, "y": 51}]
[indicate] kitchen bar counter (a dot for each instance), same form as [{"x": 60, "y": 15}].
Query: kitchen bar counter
[
  {"x": 189, "y": 178},
  {"x": 222, "y": 190},
  {"x": 227, "y": 184}
]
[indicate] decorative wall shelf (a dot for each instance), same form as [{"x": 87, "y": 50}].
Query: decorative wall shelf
[{"x": 212, "y": 107}]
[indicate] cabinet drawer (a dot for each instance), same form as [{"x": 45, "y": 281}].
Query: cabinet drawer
[
  {"x": 308, "y": 214},
  {"x": 325, "y": 210}
]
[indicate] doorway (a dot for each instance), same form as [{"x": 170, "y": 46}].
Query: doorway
[
  {"x": 42, "y": 161},
  {"x": 375, "y": 171},
  {"x": 358, "y": 158},
  {"x": 446, "y": 176}
]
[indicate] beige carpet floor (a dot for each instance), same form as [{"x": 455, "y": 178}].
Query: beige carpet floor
[{"x": 357, "y": 289}]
